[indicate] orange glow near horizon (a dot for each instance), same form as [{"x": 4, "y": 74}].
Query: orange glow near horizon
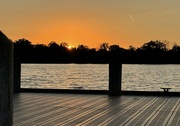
[
  {"x": 91, "y": 22},
  {"x": 69, "y": 47}
]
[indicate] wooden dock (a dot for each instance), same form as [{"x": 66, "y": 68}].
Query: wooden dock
[{"x": 56, "y": 109}]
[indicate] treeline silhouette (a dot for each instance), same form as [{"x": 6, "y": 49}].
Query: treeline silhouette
[{"x": 153, "y": 52}]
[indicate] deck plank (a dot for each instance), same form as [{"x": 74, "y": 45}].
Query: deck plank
[{"x": 51, "y": 109}]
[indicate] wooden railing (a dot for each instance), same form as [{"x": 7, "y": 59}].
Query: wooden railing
[{"x": 115, "y": 75}]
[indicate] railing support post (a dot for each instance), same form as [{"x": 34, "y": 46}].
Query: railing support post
[
  {"x": 115, "y": 73},
  {"x": 17, "y": 76},
  {"x": 6, "y": 81}
]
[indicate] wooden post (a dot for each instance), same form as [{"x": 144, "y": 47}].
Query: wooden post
[
  {"x": 6, "y": 81},
  {"x": 17, "y": 76},
  {"x": 115, "y": 73}
]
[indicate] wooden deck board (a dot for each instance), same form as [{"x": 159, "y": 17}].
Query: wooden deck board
[{"x": 50, "y": 109}]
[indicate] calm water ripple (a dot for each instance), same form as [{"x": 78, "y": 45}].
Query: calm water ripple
[{"x": 95, "y": 76}]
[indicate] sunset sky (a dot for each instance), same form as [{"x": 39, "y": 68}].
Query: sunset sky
[{"x": 91, "y": 22}]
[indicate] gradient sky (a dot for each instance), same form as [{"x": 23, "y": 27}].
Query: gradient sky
[{"x": 91, "y": 22}]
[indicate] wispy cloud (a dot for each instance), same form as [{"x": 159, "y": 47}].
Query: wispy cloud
[{"x": 160, "y": 13}]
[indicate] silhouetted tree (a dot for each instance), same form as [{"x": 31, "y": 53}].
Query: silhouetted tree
[
  {"x": 23, "y": 43},
  {"x": 41, "y": 53},
  {"x": 63, "y": 48},
  {"x": 82, "y": 48},
  {"x": 82, "y": 53},
  {"x": 104, "y": 47},
  {"x": 153, "y": 52},
  {"x": 114, "y": 48},
  {"x": 175, "y": 48},
  {"x": 53, "y": 45},
  {"x": 132, "y": 48},
  {"x": 154, "y": 46},
  {"x": 115, "y": 52},
  {"x": 24, "y": 50},
  {"x": 103, "y": 53},
  {"x": 64, "y": 44},
  {"x": 150, "y": 52},
  {"x": 174, "y": 54}
]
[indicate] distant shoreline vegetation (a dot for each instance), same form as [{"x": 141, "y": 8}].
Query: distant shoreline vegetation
[{"x": 152, "y": 52}]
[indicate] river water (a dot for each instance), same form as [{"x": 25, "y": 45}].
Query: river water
[{"x": 135, "y": 77}]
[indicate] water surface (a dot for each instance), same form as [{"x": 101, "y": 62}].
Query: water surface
[{"x": 96, "y": 76}]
